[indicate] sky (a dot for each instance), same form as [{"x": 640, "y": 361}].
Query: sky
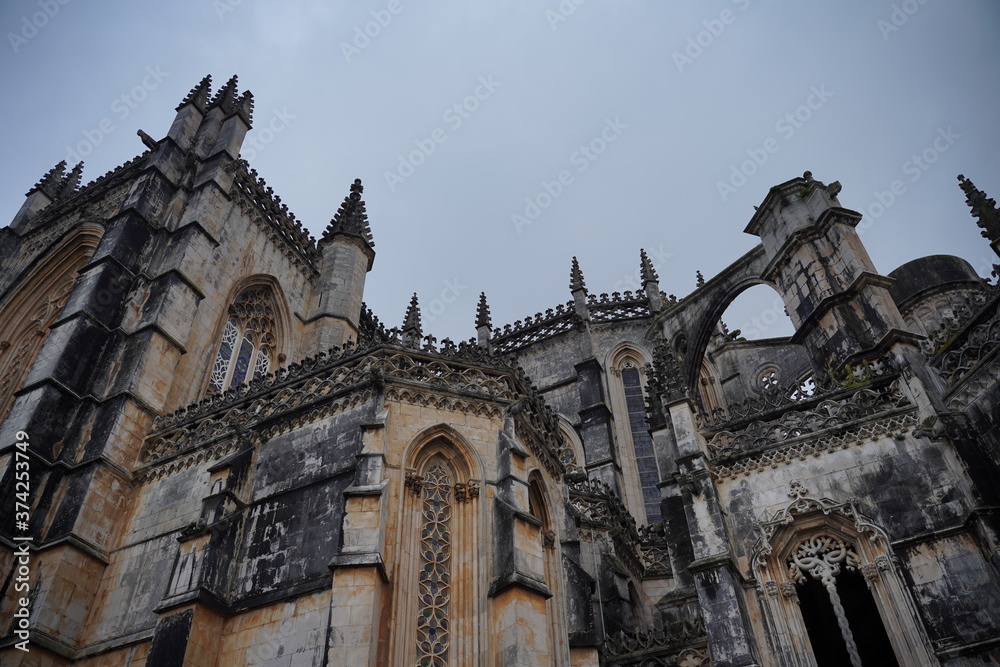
[{"x": 498, "y": 140}]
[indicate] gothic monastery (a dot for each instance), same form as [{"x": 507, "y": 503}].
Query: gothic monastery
[{"x": 213, "y": 453}]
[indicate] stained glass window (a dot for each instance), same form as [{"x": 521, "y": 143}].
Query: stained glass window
[{"x": 221, "y": 367}]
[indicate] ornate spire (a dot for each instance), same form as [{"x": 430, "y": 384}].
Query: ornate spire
[
  {"x": 699, "y": 279},
  {"x": 245, "y": 108},
  {"x": 483, "y": 313},
  {"x": 983, "y": 208},
  {"x": 646, "y": 268},
  {"x": 351, "y": 218},
  {"x": 576, "y": 277},
  {"x": 52, "y": 183},
  {"x": 225, "y": 98},
  {"x": 411, "y": 323},
  {"x": 199, "y": 95},
  {"x": 72, "y": 180}
]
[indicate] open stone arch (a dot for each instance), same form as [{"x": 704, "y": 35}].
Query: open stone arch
[
  {"x": 688, "y": 325},
  {"x": 818, "y": 539}
]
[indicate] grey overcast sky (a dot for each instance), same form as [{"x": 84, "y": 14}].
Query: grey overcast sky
[{"x": 665, "y": 121}]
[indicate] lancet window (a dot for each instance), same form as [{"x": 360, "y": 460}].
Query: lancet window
[
  {"x": 433, "y": 626},
  {"x": 439, "y": 594},
  {"x": 642, "y": 442}
]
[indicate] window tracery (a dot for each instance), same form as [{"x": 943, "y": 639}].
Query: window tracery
[
  {"x": 768, "y": 378},
  {"x": 433, "y": 637},
  {"x": 248, "y": 341},
  {"x": 438, "y": 556}
]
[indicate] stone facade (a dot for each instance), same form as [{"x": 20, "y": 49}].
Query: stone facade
[{"x": 231, "y": 461}]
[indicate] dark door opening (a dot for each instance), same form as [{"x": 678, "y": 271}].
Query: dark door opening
[{"x": 863, "y": 617}]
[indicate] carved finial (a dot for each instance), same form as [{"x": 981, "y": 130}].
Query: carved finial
[
  {"x": 699, "y": 278},
  {"x": 411, "y": 323},
  {"x": 483, "y": 313},
  {"x": 245, "y": 108},
  {"x": 51, "y": 183},
  {"x": 72, "y": 181},
  {"x": 199, "y": 95},
  {"x": 351, "y": 218},
  {"x": 225, "y": 98},
  {"x": 576, "y": 282},
  {"x": 984, "y": 209},
  {"x": 646, "y": 268},
  {"x": 808, "y": 175}
]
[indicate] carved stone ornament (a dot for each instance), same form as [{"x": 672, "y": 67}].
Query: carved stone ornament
[
  {"x": 802, "y": 503},
  {"x": 414, "y": 482}
]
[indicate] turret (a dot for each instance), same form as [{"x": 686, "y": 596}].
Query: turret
[
  {"x": 839, "y": 304},
  {"x": 54, "y": 186},
  {"x": 348, "y": 254},
  {"x": 209, "y": 129}
]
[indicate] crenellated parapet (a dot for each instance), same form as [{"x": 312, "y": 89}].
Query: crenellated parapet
[{"x": 59, "y": 192}]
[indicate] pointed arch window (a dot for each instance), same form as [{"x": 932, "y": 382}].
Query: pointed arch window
[
  {"x": 433, "y": 636},
  {"x": 642, "y": 442},
  {"x": 34, "y": 306},
  {"x": 439, "y": 594},
  {"x": 248, "y": 342}
]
